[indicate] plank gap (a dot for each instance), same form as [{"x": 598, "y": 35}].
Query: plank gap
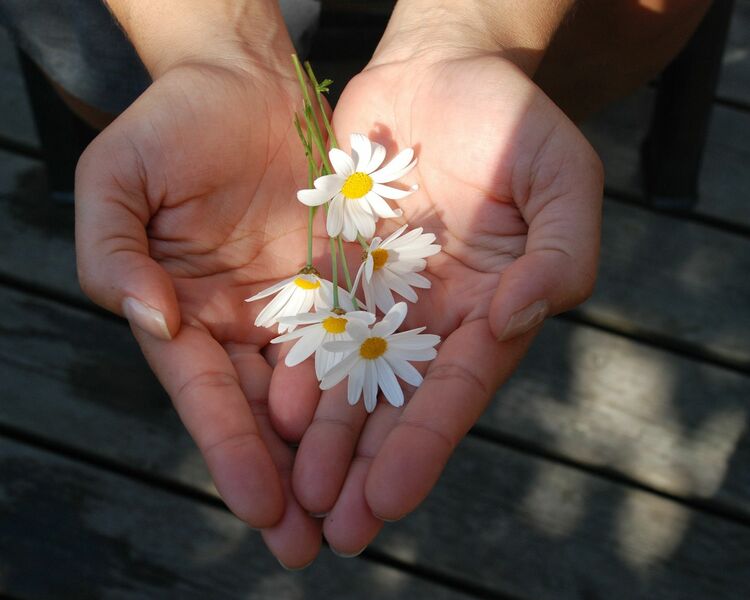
[{"x": 524, "y": 446}]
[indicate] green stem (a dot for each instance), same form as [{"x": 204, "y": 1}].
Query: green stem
[
  {"x": 309, "y": 114},
  {"x": 363, "y": 242},
  {"x": 345, "y": 265},
  {"x": 319, "y": 95},
  {"x": 335, "y": 270}
]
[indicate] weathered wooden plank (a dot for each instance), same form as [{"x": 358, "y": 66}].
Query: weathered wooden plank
[
  {"x": 68, "y": 530},
  {"x": 675, "y": 424},
  {"x": 724, "y": 190},
  {"x": 659, "y": 275},
  {"x": 17, "y": 122},
  {"x": 735, "y": 73},
  {"x": 669, "y": 422},
  {"x": 676, "y": 279},
  {"x": 511, "y": 523}
]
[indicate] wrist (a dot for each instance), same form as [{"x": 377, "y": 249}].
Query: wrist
[
  {"x": 518, "y": 30},
  {"x": 236, "y": 34}
]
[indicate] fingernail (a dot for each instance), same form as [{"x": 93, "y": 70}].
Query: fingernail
[
  {"x": 525, "y": 319},
  {"x": 345, "y": 555},
  {"x": 295, "y": 568},
  {"x": 146, "y": 317},
  {"x": 318, "y": 515}
]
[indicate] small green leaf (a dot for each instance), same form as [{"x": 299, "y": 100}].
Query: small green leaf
[{"x": 324, "y": 86}]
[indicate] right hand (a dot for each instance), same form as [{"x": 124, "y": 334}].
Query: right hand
[{"x": 186, "y": 206}]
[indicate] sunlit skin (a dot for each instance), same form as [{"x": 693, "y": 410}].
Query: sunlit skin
[
  {"x": 512, "y": 191},
  {"x": 187, "y": 202}
]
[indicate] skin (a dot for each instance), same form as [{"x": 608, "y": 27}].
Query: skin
[{"x": 186, "y": 202}]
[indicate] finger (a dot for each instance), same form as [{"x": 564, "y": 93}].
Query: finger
[
  {"x": 326, "y": 450},
  {"x": 470, "y": 365},
  {"x": 295, "y": 540},
  {"x": 293, "y": 396},
  {"x": 558, "y": 269},
  {"x": 203, "y": 384},
  {"x": 351, "y": 524},
  {"x": 112, "y": 252}
]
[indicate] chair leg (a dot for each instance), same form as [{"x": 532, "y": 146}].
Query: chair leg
[
  {"x": 62, "y": 134},
  {"x": 673, "y": 149}
]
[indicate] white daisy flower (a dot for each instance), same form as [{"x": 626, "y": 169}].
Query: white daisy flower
[
  {"x": 297, "y": 294},
  {"x": 319, "y": 328},
  {"x": 376, "y": 356},
  {"x": 392, "y": 264},
  {"x": 356, "y": 191}
]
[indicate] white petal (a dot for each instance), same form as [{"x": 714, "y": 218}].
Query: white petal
[
  {"x": 389, "y": 240},
  {"x": 367, "y": 286},
  {"x": 325, "y": 361},
  {"x": 313, "y": 197},
  {"x": 378, "y": 156},
  {"x": 370, "y": 386},
  {"x": 341, "y": 161},
  {"x": 361, "y": 269},
  {"x": 331, "y": 184},
  {"x": 361, "y": 315},
  {"x": 395, "y": 175},
  {"x": 306, "y": 346},
  {"x": 361, "y": 145},
  {"x": 417, "y": 280},
  {"x": 356, "y": 381},
  {"x": 349, "y": 231},
  {"x": 391, "y": 321},
  {"x": 403, "y": 341},
  {"x": 300, "y": 302},
  {"x": 401, "y": 161},
  {"x": 288, "y": 337},
  {"x": 412, "y": 355},
  {"x": 270, "y": 290},
  {"x": 404, "y": 370},
  {"x": 341, "y": 370},
  {"x": 383, "y": 297},
  {"x": 388, "y": 383},
  {"x": 401, "y": 267},
  {"x": 369, "y": 267},
  {"x": 392, "y": 193},
  {"x": 364, "y": 223},
  {"x": 267, "y": 316},
  {"x": 381, "y": 207},
  {"x": 398, "y": 285},
  {"x": 357, "y": 330},
  {"x": 341, "y": 346},
  {"x": 305, "y": 318},
  {"x": 335, "y": 219},
  {"x": 345, "y": 300},
  {"x": 417, "y": 252}
]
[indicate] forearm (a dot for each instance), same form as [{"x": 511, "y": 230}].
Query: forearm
[
  {"x": 166, "y": 33},
  {"x": 520, "y": 30}
]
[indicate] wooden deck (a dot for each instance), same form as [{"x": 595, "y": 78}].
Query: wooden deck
[{"x": 614, "y": 465}]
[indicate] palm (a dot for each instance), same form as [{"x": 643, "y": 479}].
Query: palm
[
  {"x": 496, "y": 158},
  {"x": 210, "y": 160}
]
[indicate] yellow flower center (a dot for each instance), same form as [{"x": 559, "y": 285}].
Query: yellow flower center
[
  {"x": 373, "y": 347},
  {"x": 334, "y": 325},
  {"x": 379, "y": 257},
  {"x": 357, "y": 185},
  {"x": 306, "y": 284}
]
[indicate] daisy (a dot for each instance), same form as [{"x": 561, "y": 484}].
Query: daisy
[
  {"x": 392, "y": 264},
  {"x": 297, "y": 294},
  {"x": 375, "y": 356},
  {"x": 356, "y": 191},
  {"x": 320, "y": 327}
]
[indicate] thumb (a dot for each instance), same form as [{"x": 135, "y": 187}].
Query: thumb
[
  {"x": 557, "y": 271},
  {"x": 115, "y": 268}
]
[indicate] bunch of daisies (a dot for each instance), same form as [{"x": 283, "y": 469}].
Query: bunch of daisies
[{"x": 344, "y": 333}]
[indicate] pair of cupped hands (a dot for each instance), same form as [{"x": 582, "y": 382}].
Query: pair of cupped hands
[{"x": 186, "y": 205}]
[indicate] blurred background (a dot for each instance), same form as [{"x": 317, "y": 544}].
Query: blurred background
[{"x": 615, "y": 463}]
